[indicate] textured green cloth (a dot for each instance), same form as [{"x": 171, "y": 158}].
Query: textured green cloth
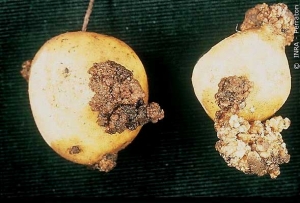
[{"x": 175, "y": 157}]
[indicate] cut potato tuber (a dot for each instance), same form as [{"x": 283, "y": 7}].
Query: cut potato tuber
[
  {"x": 89, "y": 97},
  {"x": 243, "y": 81}
]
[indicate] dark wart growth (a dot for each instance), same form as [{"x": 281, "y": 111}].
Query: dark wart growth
[
  {"x": 74, "y": 150},
  {"x": 231, "y": 97},
  {"x": 232, "y": 92},
  {"x": 119, "y": 99}
]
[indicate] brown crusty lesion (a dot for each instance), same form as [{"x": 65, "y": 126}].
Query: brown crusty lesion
[
  {"x": 25, "y": 71},
  {"x": 74, "y": 149},
  {"x": 119, "y": 99},
  {"x": 278, "y": 16},
  {"x": 107, "y": 162},
  {"x": 253, "y": 147}
]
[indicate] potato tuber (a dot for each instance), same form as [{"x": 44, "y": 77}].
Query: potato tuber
[
  {"x": 243, "y": 81},
  {"x": 89, "y": 96}
]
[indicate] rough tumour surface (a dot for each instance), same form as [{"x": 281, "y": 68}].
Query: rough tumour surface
[
  {"x": 74, "y": 150},
  {"x": 276, "y": 15},
  {"x": 107, "y": 163},
  {"x": 119, "y": 99},
  {"x": 25, "y": 71},
  {"x": 251, "y": 147},
  {"x": 232, "y": 92}
]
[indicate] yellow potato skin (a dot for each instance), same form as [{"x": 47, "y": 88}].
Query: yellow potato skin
[
  {"x": 59, "y": 93},
  {"x": 255, "y": 53}
]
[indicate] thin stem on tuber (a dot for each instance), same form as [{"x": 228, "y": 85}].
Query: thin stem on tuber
[{"x": 87, "y": 15}]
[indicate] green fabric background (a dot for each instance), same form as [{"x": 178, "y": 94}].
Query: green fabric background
[{"x": 173, "y": 158}]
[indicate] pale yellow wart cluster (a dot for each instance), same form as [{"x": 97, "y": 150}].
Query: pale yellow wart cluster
[{"x": 254, "y": 147}]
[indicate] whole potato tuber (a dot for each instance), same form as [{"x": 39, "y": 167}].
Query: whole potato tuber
[
  {"x": 244, "y": 80},
  {"x": 72, "y": 78}
]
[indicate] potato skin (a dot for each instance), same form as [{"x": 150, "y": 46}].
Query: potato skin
[
  {"x": 257, "y": 54},
  {"x": 59, "y": 94}
]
